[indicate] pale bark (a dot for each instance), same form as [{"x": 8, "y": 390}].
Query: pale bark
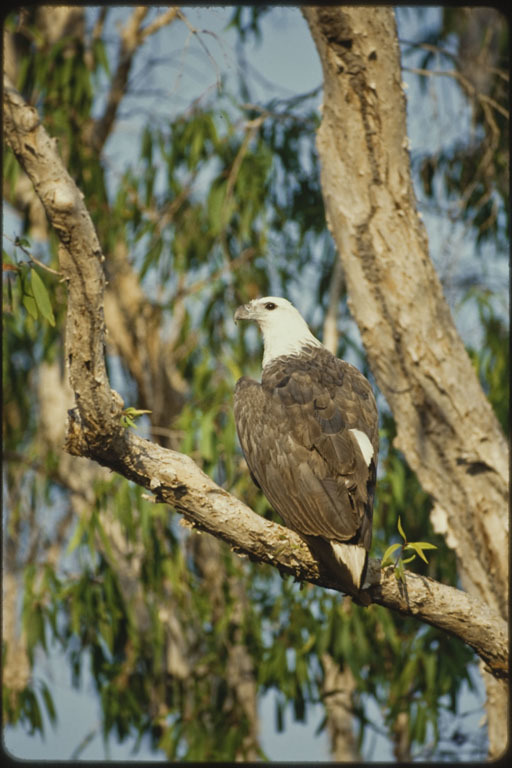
[
  {"x": 52, "y": 22},
  {"x": 330, "y": 331},
  {"x": 135, "y": 334},
  {"x": 16, "y": 664},
  {"x": 94, "y": 428},
  {"x": 445, "y": 425},
  {"x": 338, "y": 690}
]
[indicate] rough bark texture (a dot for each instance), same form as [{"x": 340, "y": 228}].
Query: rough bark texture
[
  {"x": 445, "y": 425},
  {"x": 94, "y": 427},
  {"x": 134, "y": 333}
]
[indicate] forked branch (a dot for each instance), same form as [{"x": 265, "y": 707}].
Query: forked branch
[{"x": 95, "y": 430}]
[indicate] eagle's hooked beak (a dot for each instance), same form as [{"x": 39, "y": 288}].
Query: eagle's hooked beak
[{"x": 243, "y": 313}]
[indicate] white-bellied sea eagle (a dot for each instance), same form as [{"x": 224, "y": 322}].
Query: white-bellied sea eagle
[{"x": 309, "y": 434}]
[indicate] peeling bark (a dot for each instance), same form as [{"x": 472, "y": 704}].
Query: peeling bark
[
  {"x": 445, "y": 426},
  {"x": 94, "y": 428}
]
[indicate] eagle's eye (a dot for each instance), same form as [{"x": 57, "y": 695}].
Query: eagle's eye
[{"x": 270, "y": 305}]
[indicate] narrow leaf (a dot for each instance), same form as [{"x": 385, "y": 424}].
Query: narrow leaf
[
  {"x": 76, "y": 538},
  {"x": 30, "y": 305},
  {"x": 388, "y": 554},
  {"x": 419, "y": 546},
  {"x": 131, "y": 411},
  {"x": 41, "y": 297},
  {"x": 401, "y": 530},
  {"x": 26, "y": 294},
  {"x": 48, "y": 701},
  {"x": 399, "y": 571}
]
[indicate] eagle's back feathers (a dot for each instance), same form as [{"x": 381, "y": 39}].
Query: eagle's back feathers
[{"x": 299, "y": 434}]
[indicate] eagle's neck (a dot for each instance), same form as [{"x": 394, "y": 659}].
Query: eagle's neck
[{"x": 288, "y": 340}]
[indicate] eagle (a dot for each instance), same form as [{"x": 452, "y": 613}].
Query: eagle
[{"x": 309, "y": 435}]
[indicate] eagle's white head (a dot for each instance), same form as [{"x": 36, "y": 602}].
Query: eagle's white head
[{"x": 285, "y": 332}]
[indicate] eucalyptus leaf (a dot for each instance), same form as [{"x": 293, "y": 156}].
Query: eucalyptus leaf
[
  {"x": 401, "y": 530},
  {"x": 387, "y": 557},
  {"x": 41, "y": 297},
  {"x": 30, "y": 305}
]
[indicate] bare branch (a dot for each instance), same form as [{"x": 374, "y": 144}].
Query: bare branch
[
  {"x": 176, "y": 480},
  {"x": 173, "y": 478},
  {"x": 96, "y": 33},
  {"x": 32, "y": 258},
  {"x": 161, "y": 21},
  {"x": 466, "y": 85},
  {"x": 132, "y": 36},
  {"x": 196, "y": 33},
  {"x": 80, "y": 260}
]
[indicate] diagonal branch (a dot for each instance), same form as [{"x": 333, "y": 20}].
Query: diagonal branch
[
  {"x": 94, "y": 428},
  {"x": 132, "y": 36},
  {"x": 446, "y": 428}
]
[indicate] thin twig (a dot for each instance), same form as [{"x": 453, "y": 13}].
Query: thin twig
[
  {"x": 468, "y": 87},
  {"x": 32, "y": 258},
  {"x": 195, "y": 32},
  {"x": 161, "y": 21}
]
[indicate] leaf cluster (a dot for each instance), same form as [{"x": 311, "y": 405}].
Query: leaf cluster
[
  {"x": 417, "y": 547},
  {"x": 213, "y": 207}
]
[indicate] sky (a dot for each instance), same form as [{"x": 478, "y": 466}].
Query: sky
[{"x": 287, "y": 59}]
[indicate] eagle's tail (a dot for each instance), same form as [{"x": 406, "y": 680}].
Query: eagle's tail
[{"x": 352, "y": 557}]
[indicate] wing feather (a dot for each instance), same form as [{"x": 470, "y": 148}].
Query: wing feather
[{"x": 294, "y": 429}]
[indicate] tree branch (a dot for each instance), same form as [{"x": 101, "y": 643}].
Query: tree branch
[
  {"x": 445, "y": 425},
  {"x": 132, "y": 36},
  {"x": 94, "y": 427}
]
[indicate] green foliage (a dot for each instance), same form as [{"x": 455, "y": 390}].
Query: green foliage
[
  {"x": 399, "y": 561},
  {"x": 31, "y": 288},
  {"x": 214, "y": 206},
  {"x": 40, "y": 298},
  {"x": 129, "y": 415},
  {"x": 491, "y": 358}
]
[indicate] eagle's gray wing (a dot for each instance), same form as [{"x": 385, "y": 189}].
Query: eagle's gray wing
[{"x": 295, "y": 432}]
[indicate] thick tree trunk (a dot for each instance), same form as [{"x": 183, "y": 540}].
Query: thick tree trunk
[
  {"x": 445, "y": 425},
  {"x": 95, "y": 430}
]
